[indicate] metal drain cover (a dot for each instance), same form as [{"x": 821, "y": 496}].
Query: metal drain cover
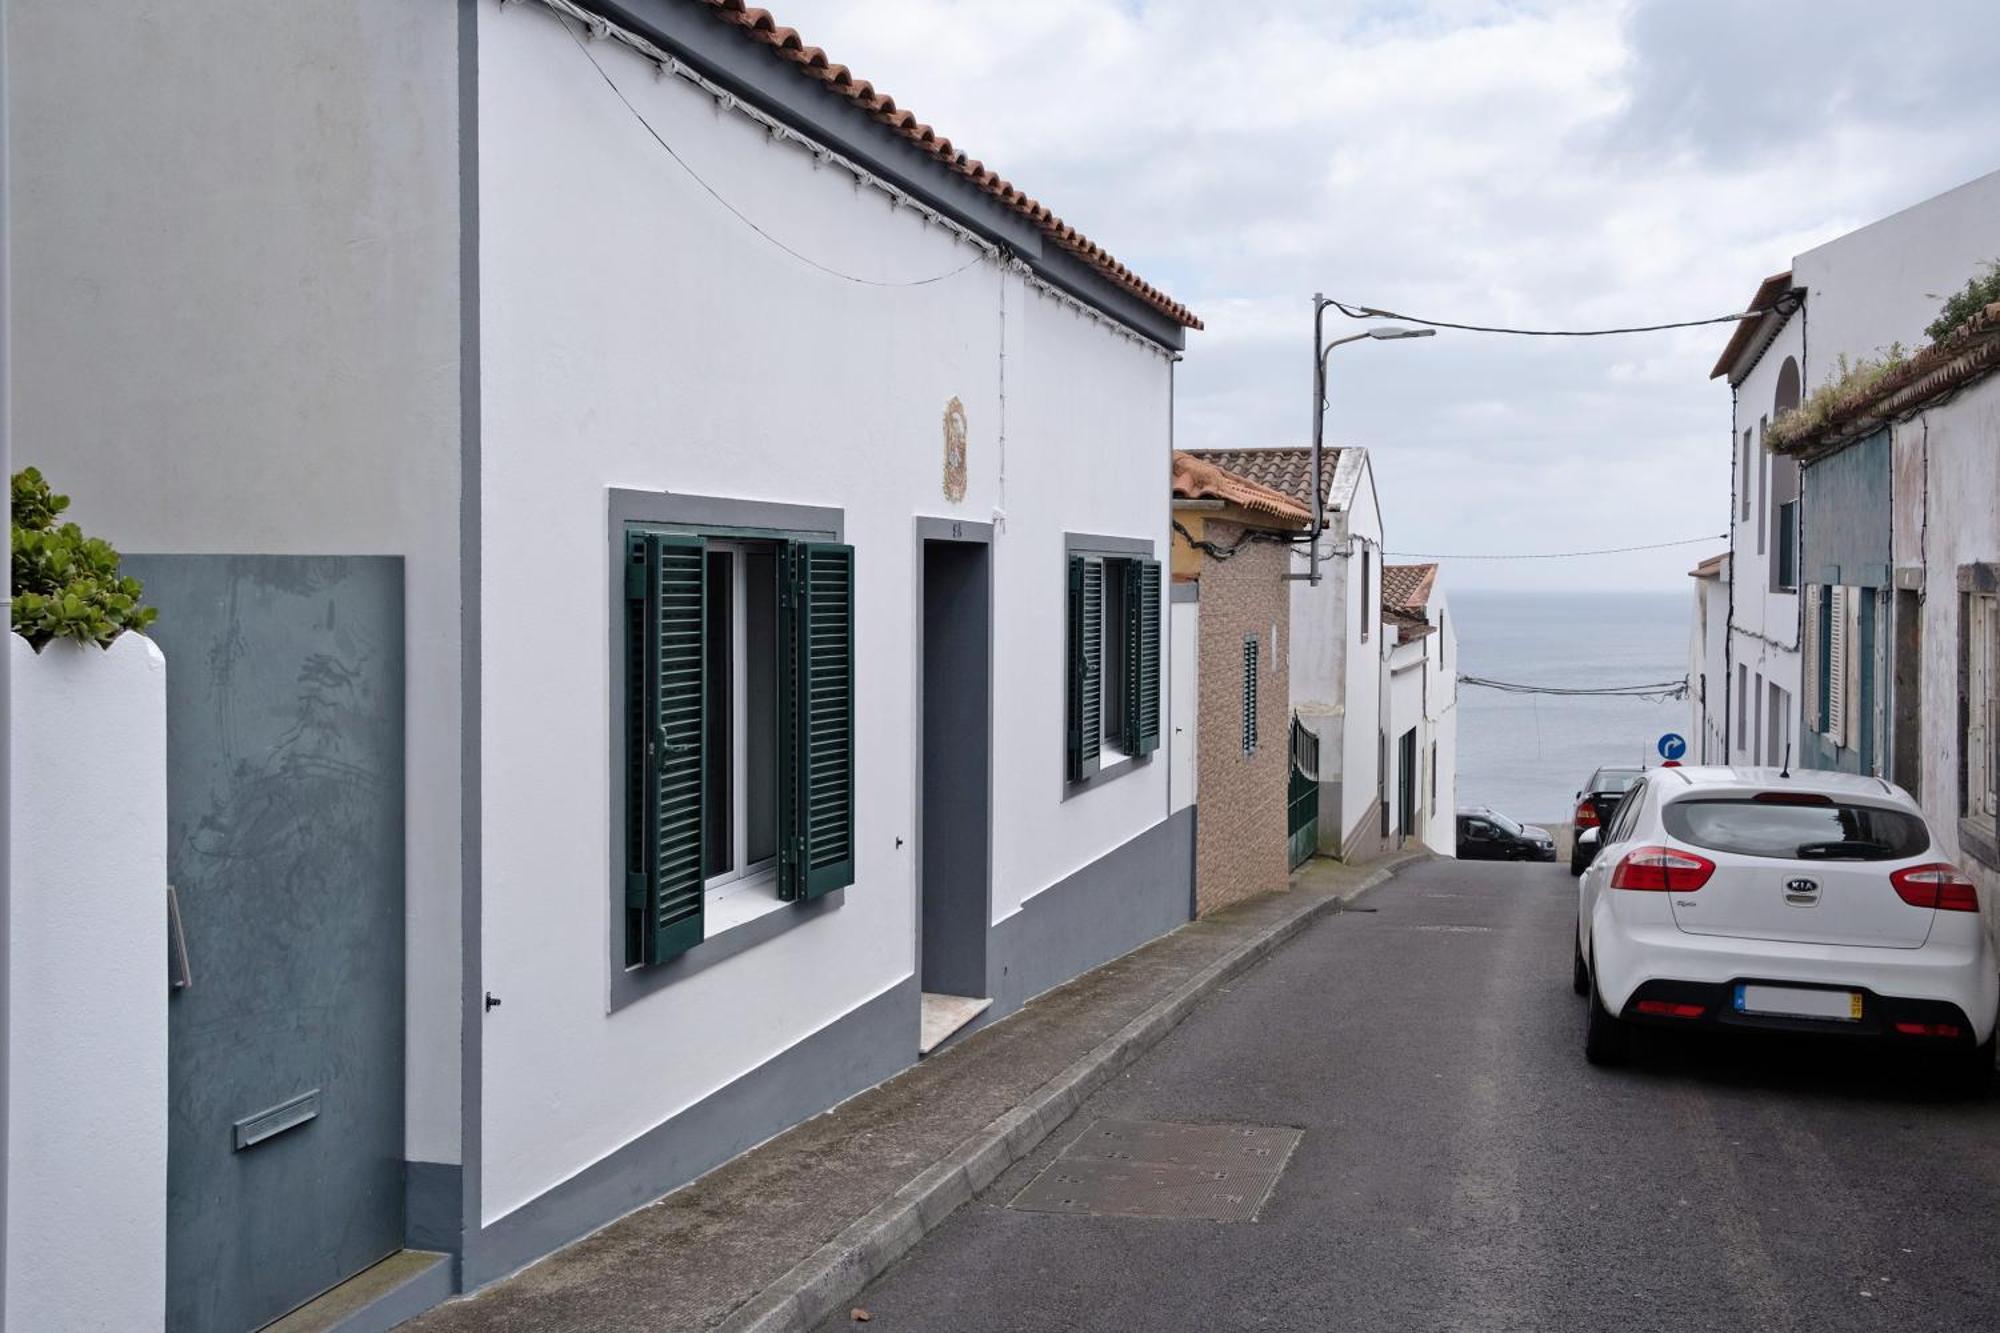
[{"x": 1140, "y": 1168}]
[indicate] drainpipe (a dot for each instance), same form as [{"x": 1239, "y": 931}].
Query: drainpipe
[{"x": 6, "y": 675}]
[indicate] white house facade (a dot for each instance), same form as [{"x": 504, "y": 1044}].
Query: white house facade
[
  {"x": 1852, "y": 298},
  {"x": 1419, "y": 658},
  {"x": 1706, "y": 662},
  {"x": 654, "y": 424}
]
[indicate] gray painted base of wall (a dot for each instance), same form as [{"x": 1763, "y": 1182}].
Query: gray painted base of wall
[
  {"x": 1126, "y": 897},
  {"x": 433, "y": 1202},
  {"x": 854, "y": 1053}
]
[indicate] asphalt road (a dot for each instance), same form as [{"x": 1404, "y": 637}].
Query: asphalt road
[{"x": 1463, "y": 1169}]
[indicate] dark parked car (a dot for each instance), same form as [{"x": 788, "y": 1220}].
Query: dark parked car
[
  {"x": 1488, "y": 835},
  {"x": 1595, "y": 804}
]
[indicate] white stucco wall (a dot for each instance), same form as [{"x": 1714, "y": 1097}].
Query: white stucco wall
[
  {"x": 1766, "y": 623},
  {"x": 1406, "y": 667},
  {"x": 87, "y": 1022},
  {"x": 1441, "y": 721},
  {"x": 235, "y": 262},
  {"x": 1361, "y": 732},
  {"x": 636, "y": 335},
  {"x": 1883, "y": 283},
  {"x": 1952, "y": 517},
  {"x": 1184, "y": 638}
]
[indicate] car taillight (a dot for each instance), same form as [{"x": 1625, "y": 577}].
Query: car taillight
[
  {"x": 1939, "y": 885},
  {"x": 1586, "y": 815},
  {"x": 1928, "y": 1029},
  {"x": 1668, "y": 1009},
  {"x": 1662, "y": 870}
]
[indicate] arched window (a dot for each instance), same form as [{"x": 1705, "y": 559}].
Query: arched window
[
  {"x": 1783, "y": 490},
  {"x": 1788, "y": 389}
]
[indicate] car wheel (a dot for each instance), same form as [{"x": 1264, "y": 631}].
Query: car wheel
[
  {"x": 1579, "y": 979},
  {"x": 1607, "y": 1041},
  {"x": 1575, "y": 866}
]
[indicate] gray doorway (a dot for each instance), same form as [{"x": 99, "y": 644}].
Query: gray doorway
[
  {"x": 1406, "y": 783},
  {"x": 955, "y": 785},
  {"x": 285, "y": 850}
]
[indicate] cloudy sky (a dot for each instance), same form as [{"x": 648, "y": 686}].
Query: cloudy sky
[{"x": 1522, "y": 162}]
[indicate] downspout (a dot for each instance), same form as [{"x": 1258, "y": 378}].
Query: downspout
[
  {"x": 6, "y": 672},
  {"x": 1729, "y": 612}
]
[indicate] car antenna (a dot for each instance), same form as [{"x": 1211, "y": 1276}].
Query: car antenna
[{"x": 1785, "y": 769}]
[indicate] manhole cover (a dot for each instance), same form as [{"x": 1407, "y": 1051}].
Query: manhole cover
[{"x": 1139, "y": 1168}]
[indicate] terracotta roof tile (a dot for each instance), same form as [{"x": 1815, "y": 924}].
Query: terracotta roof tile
[
  {"x": 1198, "y": 479},
  {"x": 1970, "y": 352},
  {"x": 1407, "y": 588},
  {"x": 786, "y": 42},
  {"x": 1287, "y": 470}
]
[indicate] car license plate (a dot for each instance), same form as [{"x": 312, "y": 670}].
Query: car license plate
[{"x": 1793, "y": 1002}]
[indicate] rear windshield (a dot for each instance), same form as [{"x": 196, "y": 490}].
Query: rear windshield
[
  {"x": 1802, "y": 832},
  {"x": 1612, "y": 780}
]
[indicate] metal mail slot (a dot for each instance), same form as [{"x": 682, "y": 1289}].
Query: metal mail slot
[{"x": 285, "y": 1115}]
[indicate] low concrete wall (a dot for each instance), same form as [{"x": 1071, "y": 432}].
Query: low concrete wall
[{"x": 87, "y": 1098}]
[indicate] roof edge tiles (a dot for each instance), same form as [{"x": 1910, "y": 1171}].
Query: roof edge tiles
[
  {"x": 1969, "y": 353},
  {"x": 1285, "y": 469},
  {"x": 1198, "y": 479},
  {"x": 1761, "y": 309},
  {"x": 813, "y": 63},
  {"x": 1407, "y": 588}
]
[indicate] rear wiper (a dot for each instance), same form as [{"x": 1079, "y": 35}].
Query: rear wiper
[{"x": 1852, "y": 850}]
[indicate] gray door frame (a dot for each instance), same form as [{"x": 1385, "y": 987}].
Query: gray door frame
[{"x": 969, "y": 970}]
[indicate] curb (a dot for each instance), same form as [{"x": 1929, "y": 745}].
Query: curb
[{"x": 835, "y": 1273}]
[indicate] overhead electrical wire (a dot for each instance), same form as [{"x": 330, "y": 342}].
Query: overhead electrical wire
[
  {"x": 1656, "y": 691},
  {"x": 1371, "y": 312},
  {"x": 1555, "y": 555}
]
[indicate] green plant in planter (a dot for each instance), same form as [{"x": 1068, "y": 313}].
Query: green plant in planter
[{"x": 66, "y": 585}]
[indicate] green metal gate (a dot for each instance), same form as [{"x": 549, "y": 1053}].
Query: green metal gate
[{"x": 1302, "y": 797}]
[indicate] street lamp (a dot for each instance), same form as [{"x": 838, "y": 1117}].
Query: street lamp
[{"x": 1321, "y": 349}]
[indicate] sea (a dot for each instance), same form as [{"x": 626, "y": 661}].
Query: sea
[{"x": 1527, "y": 754}]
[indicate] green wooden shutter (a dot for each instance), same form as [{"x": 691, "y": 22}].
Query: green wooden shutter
[
  {"x": 1085, "y": 665},
  {"x": 816, "y": 711},
  {"x": 1142, "y": 655},
  {"x": 665, "y": 691}
]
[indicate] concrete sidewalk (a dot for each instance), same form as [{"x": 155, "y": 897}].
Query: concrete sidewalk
[{"x": 791, "y": 1230}]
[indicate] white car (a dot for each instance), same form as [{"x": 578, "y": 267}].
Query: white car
[{"x": 1805, "y": 903}]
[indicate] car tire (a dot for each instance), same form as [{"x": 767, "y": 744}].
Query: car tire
[
  {"x": 1579, "y": 978},
  {"x": 1575, "y": 867},
  {"x": 1607, "y": 1041}
]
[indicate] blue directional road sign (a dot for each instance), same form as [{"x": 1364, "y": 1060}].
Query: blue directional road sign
[{"x": 1673, "y": 745}]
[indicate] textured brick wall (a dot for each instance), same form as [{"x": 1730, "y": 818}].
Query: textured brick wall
[{"x": 1241, "y": 847}]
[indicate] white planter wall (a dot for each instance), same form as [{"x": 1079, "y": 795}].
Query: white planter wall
[{"x": 87, "y": 1110}]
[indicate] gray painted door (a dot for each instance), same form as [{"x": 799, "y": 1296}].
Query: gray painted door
[
  {"x": 285, "y": 848},
  {"x": 956, "y": 830}
]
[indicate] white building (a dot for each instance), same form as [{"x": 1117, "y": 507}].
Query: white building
[
  {"x": 1419, "y": 710},
  {"x": 635, "y": 435},
  {"x": 1705, "y": 659},
  {"x": 1337, "y": 647},
  {"x": 1848, "y": 299}
]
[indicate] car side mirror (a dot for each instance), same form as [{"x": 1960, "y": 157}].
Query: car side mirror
[{"x": 1588, "y": 839}]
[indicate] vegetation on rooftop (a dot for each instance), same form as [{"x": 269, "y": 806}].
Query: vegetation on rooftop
[
  {"x": 1980, "y": 291},
  {"x": 1850, "y": 379}
]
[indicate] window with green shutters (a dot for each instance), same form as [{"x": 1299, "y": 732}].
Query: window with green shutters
[
  {"x": 739, "y": 728},
  {"x": 1112, "y": 674}
]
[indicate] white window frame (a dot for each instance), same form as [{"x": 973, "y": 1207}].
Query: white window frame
[
  {"x": 1982, "y": 624},
  {"x": 744, "y": 891}
]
